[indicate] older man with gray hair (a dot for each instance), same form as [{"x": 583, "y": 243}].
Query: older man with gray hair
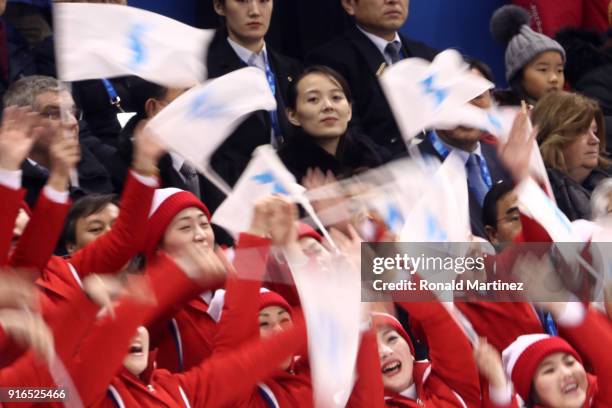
[{"x": 46, "y": 96}]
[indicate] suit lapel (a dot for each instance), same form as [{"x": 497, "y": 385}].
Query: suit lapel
[{"x": 372, "y": 56}]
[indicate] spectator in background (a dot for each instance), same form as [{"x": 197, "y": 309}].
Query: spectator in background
[
  {"x": 500, "y": 214},
  {"x": 100, "y": 99},
  {"x": 570, "y": 129},
  {"x": 238, "y": 44},
  {"x": 45, "y": 96},
  {"x": 589, "y": 69},
  {"x": 534, "y": 62},
  {"x": 476, "y": 148},
  {"x": 361, "y": 54},
  {"x": 31, "y": 18},
  {"x": 319, "y": 105},
  {"x": 16, "y": 60},
  {"x": 549, "y": 16}
]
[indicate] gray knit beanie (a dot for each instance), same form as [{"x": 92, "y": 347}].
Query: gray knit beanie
[{"x": 510, "y": 26}]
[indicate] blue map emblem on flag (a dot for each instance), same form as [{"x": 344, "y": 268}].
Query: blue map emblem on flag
[
  {"x": 429, "y": 88},
  {"x": 268, "y": 178},
  {"x": 434, "y": 232},
  {"x": 394, "y": 218},
  {"x": 204, "y": 106},
  {"x": 494, "y": 121},
  {"x": 137, "y": 46}
]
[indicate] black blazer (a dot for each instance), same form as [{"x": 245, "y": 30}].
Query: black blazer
[
  {"x": 356, "y": 57},
  {"x": 233, "y": 155},
  {"x": 93, "y": 178},
  {"x": 497, "y": 171},
  {"x": 355, "y": 152}
]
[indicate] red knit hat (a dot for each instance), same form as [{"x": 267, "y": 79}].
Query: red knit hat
[
  {"x": 384, "y": 319},
  {"x": 167, "y": 202},
  {"x": 305, "y": 230},
  {"x": 269, "y": 298},
  {"x": 522, "y": 358}
]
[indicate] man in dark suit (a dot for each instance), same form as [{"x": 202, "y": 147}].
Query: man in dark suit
[
  {"x": 483, "y": 169},
  {"x": 44, "y": 95},
  {"x": 362, "y": 53},
  {"x": 239, "y": 44}
]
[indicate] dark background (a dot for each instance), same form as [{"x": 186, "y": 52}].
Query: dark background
[{"x": 299, "y": 25}]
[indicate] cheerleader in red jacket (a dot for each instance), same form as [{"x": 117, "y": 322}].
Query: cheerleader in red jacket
[
  {"x": 389, "y": 376},
  {"x": 249, "y": 314},
  {"x": 549, "y": 371},
  {"x": 185, "y": 337}
]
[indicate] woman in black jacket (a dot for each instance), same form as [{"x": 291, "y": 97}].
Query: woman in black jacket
[
  {"x": 572, "y": 142},
  {"x": 319, "y": 107}
]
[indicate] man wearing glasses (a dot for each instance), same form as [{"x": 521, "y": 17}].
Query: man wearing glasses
[{"x": 46, "y": 96}]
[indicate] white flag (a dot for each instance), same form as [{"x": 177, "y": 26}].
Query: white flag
[
  {"x": 105, "y": 40},
  {"x": 497, "y": 121},
  {"x": 442, "y": 214},
  {"x": 330, "y": 295},
  {"x": 264, "y": 175},
  {"x": 196, "y": 123},
  {"x": 418, "y": 91}
]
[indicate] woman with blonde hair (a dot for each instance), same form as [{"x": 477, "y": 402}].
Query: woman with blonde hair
[{"x": 570, "y": 135}]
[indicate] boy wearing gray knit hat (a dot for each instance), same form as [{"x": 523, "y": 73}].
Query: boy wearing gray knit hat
[{"x": 534, "y": 62}]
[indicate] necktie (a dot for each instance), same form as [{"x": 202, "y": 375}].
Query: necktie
[
  {"x": 475, "y": 180},
  {"x": 191, "y": 179},
  {"x": 394, "y": 51}
]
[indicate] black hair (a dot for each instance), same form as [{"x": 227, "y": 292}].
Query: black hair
[
  {"x": 141, "y": 91},
  {"x": 331, "y": 73},
  {"x": 481, "y": 67},
  {"x": 584, "y": 52},
  {"x": 84, "y": 207},
  {"x": 489, "y": 206}
]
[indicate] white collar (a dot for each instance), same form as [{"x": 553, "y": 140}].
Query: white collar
[
  {"x": 35, "y": 164},
  {"x": 461, "y": 153},
  {"x": 244, "y": 53},
  {"x": 379, "y": 42},
  {"x": 177, "y": 161},
  {"x": 410, "y": 392}
]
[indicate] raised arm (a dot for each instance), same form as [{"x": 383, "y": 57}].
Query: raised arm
[
  {"x": 37, "y": 244},
  {"x": 20, "y": 128},
  {"x": 450, "y": 352},
  {"x": 112, "y": 251}
]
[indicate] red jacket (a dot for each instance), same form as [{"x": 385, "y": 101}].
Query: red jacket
[
  {"x": 449, "y": 380},
  {"x": 37, "y": 244},
  {"x": 240, "y": 325},
  {"x": 9, "y": 208},
  {"x": 206, "y": 385},
  {"x": 107, "y": 254},
  {"x": 588, "y": 338},
  {"x": 550, "y": 16}
]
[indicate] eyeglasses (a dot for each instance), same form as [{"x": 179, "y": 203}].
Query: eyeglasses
[
  {"x": 514, "y": 216},
  {"x": 56, "y": 114}
]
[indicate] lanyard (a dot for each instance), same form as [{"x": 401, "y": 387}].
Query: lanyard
[
  {"x": 548, "y": 324},
  {"x": 272, "y": 83},
  {"x": 115, "y": 100},
  {"x": 444, "y": 152}
]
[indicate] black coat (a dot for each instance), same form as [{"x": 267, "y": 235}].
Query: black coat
[
  {"x": 597, "y": 84},
  {"x": 355, "y": 152},
  {"x": 93, "y": 178},
  {"x": 497, "y": 171},
  {"x": 21, "y": 61},
  {"x": 233, "y": 155},
  {"x": 119, "y": 164},
  {"x": 354, "y": 56},
  {"x": 574, "y": 199}
]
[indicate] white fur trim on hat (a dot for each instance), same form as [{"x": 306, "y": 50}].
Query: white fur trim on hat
[
  {"x": 161, "y": 195},
  {"x": 514, "y": 351}
]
